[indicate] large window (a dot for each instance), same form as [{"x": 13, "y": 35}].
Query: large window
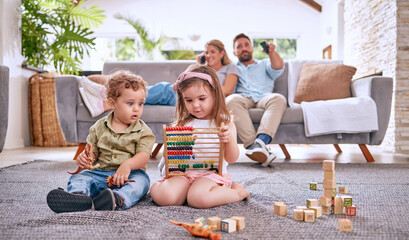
[{"x": 286, "y": 47}]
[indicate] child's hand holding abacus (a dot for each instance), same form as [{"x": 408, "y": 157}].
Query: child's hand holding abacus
[{"x": 225, "y": 134}]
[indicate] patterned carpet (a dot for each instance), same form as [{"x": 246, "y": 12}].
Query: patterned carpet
[{"x": 380, "y": 193}]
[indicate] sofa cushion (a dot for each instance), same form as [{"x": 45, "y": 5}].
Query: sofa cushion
[{"x": 324, "y": 82}]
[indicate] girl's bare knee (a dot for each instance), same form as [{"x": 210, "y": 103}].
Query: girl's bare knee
[{"x": 165, "y": 196}]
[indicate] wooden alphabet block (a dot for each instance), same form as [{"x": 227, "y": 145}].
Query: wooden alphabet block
[
  {"x": 329, "y": 183},
  {"x": 313, "y": 186},
  {"x": 312, "y": 203},
  {"x": 347, "y": 201},
  {"x": 342, "y": 190},
  {"x": 328, "y": 165},
  {"x": 330, "y": 192},
  {"x": 325, "y": 210},
  {"x": 298, "y": 214},
  {"x": 329, "y": 174},
  {"x": 280, "y": 209},
  {"x": 344, "y": 224},
  {"x": 309, "y": 216},
  {"x": 214, "y": 221},
  {"x": 339, "y": 205},
  {"x": 351, "y": 211},
  {"x": 317, "y": 211},
  {"x": 228, "y": 225},
  {"x": 325, "y": 201},
  {"x": 239, "y": 222}
]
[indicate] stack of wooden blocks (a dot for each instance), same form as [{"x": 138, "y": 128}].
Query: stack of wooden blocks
[{"x": 329, "y": 203}]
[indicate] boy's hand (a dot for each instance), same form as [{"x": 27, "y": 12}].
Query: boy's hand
[
  {"x": 121, "y": 175},
  {"x": 225, "y": 134},
  {"x": 85, "y": 159}
]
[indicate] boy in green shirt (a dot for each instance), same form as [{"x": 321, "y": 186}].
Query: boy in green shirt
[{"x": 121, "y": 144}]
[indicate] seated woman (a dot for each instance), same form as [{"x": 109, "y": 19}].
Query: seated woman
[{"x": 93, "y": 94}]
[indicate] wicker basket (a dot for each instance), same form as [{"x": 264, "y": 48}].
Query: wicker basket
[{"x": 45, "y": 129}]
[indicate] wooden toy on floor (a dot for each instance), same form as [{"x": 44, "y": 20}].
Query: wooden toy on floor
[
  {"x": 298, "y": 214},
  {"x": 214, "y": 221},
  {"x": 309, "y": 216},
  {"x": 342, "y": 190},
  {"x": 198, "y": 231},
  {"x": 313, "y": 186},
  {"x": 351, "y": 211},
  {"x": 228, "y": 225},
  {"x": 183, "y": 153},
  {"x": 239, "y": 222},
  {"x": 344, "y": 224},
  {"x": 280, "y": 209}
]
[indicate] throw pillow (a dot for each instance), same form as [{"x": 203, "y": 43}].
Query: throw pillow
[
  {"x": 100, "y": 79},
  {"x": 324, "y": 82}
]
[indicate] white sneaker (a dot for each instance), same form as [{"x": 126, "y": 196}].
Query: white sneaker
[
  {"x": 260, "y": 153},
  {"x": 93, "y": 104},
  {"x": 98, "y": 90}
]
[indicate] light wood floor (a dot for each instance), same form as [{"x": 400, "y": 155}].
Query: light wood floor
[{"x": 299, "y": 154}]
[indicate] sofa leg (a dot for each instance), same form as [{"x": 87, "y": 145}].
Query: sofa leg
[
  {"x": 366, "y": 153},
  {"x": 156, "y": 150},
  {"x": 337, "y": 148},
  {"x": 284, "y": 149},
  {"x": 81, "y": 148}
]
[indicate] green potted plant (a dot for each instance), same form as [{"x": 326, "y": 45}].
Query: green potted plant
[{"x": 57, "y": 33}]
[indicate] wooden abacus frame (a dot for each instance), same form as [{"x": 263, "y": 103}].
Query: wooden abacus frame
[{"x": 182, "y": 154}]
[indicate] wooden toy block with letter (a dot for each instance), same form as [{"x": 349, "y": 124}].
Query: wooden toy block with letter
[
  {"x": 344, "y": 224},
  {"x": 317, "y": 211},
  {"x": 313, "y": 186},
  {"x": 342, "y": 190},
  {"x": 328, "y": 165},
  {"x": 312, "y": 203},
  {"x": 239, "y": 222},
  {"x": 214, "y": 221},
  {"x": 325, "y": 201},
  {"x": 325, "y": 210},
  {"x": 298, "y": 214},
  {"x": 329, "y": 183},
  {"x": 228, "y": 225},
  {"x": 351, "y": 211},
  {"x": 309, "y": 216},
  {"x": 339, "y": 205},
  {"x": 192, "y": 149},
  {"x": 330, "y": 192},
  {"x": 329, "y": 174},
  {"x": 280, "y": 209},
  {"x": 347, "y": 201}
]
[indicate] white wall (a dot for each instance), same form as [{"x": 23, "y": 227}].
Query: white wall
[
  {"x": 217, "y": 19},
  {"x": 177, "y": 18},
  {"x": 10, "y": 49}
]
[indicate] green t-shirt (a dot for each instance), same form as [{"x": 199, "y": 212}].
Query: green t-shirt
[{"x": 114, "y": 148}]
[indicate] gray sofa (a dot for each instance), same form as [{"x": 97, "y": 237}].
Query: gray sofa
[
  {"x": 75, "y": 121},
  {"x": 4, "y": 103}
]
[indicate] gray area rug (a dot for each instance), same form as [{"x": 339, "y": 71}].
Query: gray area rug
[{"x": 380, "y": 193}]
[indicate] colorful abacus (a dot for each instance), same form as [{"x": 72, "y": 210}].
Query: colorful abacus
[{"x": 183, "y": 153}]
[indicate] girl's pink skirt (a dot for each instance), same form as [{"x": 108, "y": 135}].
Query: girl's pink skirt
[{"x": 224, "y": 180}]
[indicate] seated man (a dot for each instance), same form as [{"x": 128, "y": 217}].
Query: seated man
[{"x": 255, "y": 90}]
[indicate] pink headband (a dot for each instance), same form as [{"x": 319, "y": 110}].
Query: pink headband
[{"x": 188, "y": 75}]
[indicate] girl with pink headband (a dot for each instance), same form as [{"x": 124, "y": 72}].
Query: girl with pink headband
[{"x": 201, "y": 104}]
